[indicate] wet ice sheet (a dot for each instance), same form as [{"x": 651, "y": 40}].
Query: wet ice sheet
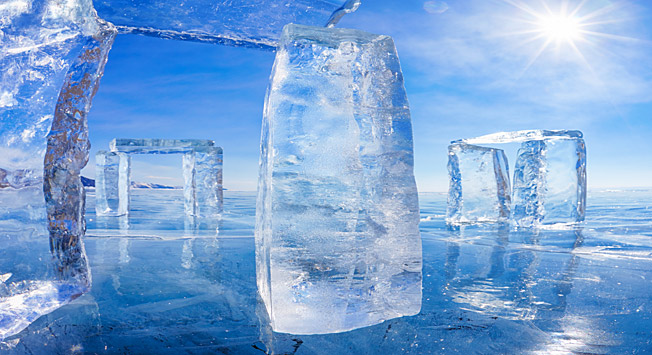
[{"x": 486, "y": 290}]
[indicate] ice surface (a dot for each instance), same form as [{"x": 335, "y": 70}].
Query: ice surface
[
  {"x": 550, "y": 182},
  {"x": 337, "y": 239},
  {"x": 487, "y": 288},
  {"x": 549, "y": 185},
  {"x": 202, "y": 172},
  {"x": 40, "y": 269},
  {"x": 479, "y": 184},
  {"x": 239, "y": 22}
]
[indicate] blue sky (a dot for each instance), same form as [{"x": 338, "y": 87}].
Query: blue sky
[{"x": 471, "y": 67}]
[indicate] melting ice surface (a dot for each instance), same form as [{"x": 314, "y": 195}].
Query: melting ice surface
[{"x": 162, "y": 287}]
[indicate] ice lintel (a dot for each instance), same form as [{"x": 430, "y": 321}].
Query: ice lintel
[
  {"x": 236, "y": 22},
  {"x": 521, "y": 136},
  {"x": 162, "y": 146}
]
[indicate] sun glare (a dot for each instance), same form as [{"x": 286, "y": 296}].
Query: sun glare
[
  {"x": 560, "y": 28},
  {"x": 565, "y": 26}
]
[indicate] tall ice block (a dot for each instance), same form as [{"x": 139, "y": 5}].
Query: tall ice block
[
  {"x": 550, "y": 182},
  {"x": 337, "y": 239},
  {"x": 112, "y": 183},
  {"x": 479, "y": 184}
]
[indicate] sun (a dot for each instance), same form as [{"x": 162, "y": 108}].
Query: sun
[
  {"x": 560, "y": 28},
  {"x": 571, "y": 28}
]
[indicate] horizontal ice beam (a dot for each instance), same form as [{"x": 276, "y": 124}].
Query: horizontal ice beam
[
  {"x": 232, "y": 22},
  {"x": 521, "y": 136},
  {"x": 161, "y": 146}
]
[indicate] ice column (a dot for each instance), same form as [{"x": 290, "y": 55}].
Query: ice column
[
  {"x": 550, "y": 182},
  {"x": 47, "y": 48},
  {"x": 337, "y": 238},
  {"x": 202, "y": 190},
  {"x": 112, "y": 183},
  {"x": 479, "y": 184}
]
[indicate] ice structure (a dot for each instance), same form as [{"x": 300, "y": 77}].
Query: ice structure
[
  {"x": 52, "y": 56},
  {"x": 202, "y": 172},
  {"x": 549, "y": 185},
  {"x": 337, "y": 239}
]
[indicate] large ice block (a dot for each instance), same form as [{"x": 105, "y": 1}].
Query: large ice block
[
  {"x": 550, "y": 182},
  {"x": 234, "y": 22},
  {"x": 337, "y": 239},
  {"x": 202, "y": 171},
  {"x": 52, "y": 55},
  {"x": 40, "y": 41},
  {"x": 479, "y": 184}
]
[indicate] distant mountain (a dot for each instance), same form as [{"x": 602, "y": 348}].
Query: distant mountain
[
  {"x": 149, "y": 185},
  {"x": 88, "y": 182}
]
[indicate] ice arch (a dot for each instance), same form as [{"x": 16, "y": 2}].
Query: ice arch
[
  {"x": 52, "y": 56},
  {"x": 202, "y": 174}
]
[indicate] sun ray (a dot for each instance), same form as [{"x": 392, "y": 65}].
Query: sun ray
[{"x": 560, "y": 24}]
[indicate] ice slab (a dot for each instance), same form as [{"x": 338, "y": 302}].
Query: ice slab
[
  {"x": 337, "y": 239},
  {"x": 239, "y": 22},
  {"x": 549, "y": 187},
  {"x": 479, "y": 184},
  {"x": 159, "y": 146},
  {"x": 202, "y": 171}
]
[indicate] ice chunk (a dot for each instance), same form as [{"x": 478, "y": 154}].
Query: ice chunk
[
  {"x": 158, "y": 146},
  {"x": 479, "y": 184},
  {"x": 54, "y": 46},
  {"x": 202, "y": 171},
  {"x": 337, "y": 239},
  {"x": 39, "y": 43},
  {"x": 112, "y": 183},
  {"x": 239, "y": 22},
  {"x": 550, "y": 182},
  {"x": 202, "y": 189}
]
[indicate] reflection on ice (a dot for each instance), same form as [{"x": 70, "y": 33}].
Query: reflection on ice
[
  {"x": 486, "y": 289},
  {"x": 512, "y": 282}
]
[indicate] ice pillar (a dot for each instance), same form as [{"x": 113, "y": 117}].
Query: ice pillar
[
  {"x": 202, "y": 190},
  {"x": 337, "y": 238},
  {"x": 479, "y": 184},
  {"x": 112, "y": 183},
  {"x": 550, "y": 182}
]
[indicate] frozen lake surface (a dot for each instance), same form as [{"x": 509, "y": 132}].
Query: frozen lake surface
[{"x": 168, "y": 285}]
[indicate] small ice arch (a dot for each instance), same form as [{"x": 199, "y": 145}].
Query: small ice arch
[
  {"x": 202, "y": 174},
  {"x": 549, "y": 185}
]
